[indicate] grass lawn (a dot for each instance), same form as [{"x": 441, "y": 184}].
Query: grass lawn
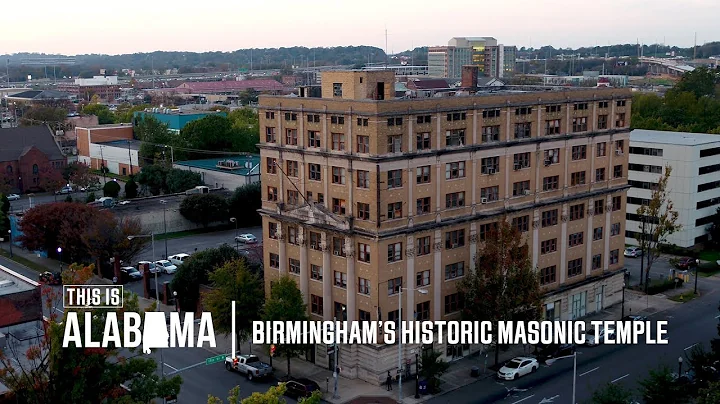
[
  {"x": 24, "y": 261},
  {"x": 684, "y": 297},
  {"x": 710, "y": 255}
]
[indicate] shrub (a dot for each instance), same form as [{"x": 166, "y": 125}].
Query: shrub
[
  {"x": 90, "y": 197},
  {"x": 131, "y": 189},
  {"x": 111, "y": 189},
  {"x": 664, "y": 285}
]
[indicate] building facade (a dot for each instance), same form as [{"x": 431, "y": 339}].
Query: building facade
[
  {"x": 492, "y": 59},
  {"x": 105, "y": 87},
  {"x": 27, "y": 154},
  {"x": 363, "y": 194},
  {"x": 175, "y": 119},
  {"x": 111, "y": 146},
  {"x": 693, "y": 186}
]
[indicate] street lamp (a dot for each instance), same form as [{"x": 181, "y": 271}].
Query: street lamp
[
  {"x": 237, "y": 243},
  {"x": 400, "y": 355},
  {"x": 697, "y": 265},
  {"x": 622, "y": 315},
  {"x": 157, "y": 290},
  {"x": 164, "y": 202},
  {"x": 59, "y": 250},
  {"x": 680, "y": 360},
  {"x": 177, "y": 304},
  {"x": 10, "y": 234},
  {"x": 417, "y": 371}
]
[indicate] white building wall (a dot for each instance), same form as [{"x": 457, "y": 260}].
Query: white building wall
[
  {"x": 226, "y": 180},
  {"x": 114, "y": 156}
]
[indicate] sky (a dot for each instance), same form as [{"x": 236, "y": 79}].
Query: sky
[{"x": 130, "y": 26}]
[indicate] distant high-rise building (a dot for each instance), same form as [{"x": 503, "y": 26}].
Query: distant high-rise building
[{"x": 493, "y": 60}]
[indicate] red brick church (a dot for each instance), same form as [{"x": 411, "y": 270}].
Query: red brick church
[{"x": 27, "y": 152}]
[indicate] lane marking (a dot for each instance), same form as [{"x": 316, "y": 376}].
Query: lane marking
[
  {"x": 526, "y": 398},
  {"x": 717, "y": 316},
  {"x": 589, "y": 371},
  {"x": 620, "y": 378},
  {"x": 171, "y": 367},
  {"x": 690, "y": 346}
]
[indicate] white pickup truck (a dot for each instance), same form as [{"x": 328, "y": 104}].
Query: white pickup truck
[{"x": 250, "y": 365}]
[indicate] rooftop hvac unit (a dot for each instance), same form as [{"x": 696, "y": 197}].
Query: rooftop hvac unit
[{"x": 248, "y": 164}]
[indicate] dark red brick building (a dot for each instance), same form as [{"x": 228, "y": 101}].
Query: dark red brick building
[{"x": 28, "y": 153}]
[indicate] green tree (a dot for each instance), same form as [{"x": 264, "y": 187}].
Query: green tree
[
  {"x": 105, "y": 116},
  {"x": 714, "y": 229},
  {"x": 111, "y": 189},
  {"x": 659, "y": 220},
  {"x": 432, "y": 367},
  {"x": 157, "y": 141},
  {"x": 43, "y": 114},
  {"x": 4, "y": 214},
  {"x": 91, "y": 197},
  {"x": 196, "y": 270},
  {"x": 204, "y": 208},
  {"x": 274, "y": 395},
  {"x": 504, "y": 285},
  {"x": 125, "y": 112},
  {"x": 248, "y": 97},
  {"x": 78, "y": 174},
  {"x": 660, "y": 387},
  {"x": 178, "y": 180},
  {"x": 152, "y": 177},
  {"x": 131, "y": 188},
  {"x": 710, "y": 394},
  {"x": 286, "y": 304},
  {"x": 213, "y": 132},
  {"x": 612, "y": 394},
  {"x": 244, "y": 204},
  {"x": 700, "y": 82},
  {"x": 234, "y": 282}
]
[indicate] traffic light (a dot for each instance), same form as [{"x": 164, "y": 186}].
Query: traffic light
[{"x": 272, "y": 350}]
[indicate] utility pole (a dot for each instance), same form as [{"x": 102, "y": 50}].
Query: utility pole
[
  {"x": 695, "y": 48},
  {"x": 335, "y": 364},
  {"x": 643, "y": 248},
  {"x": 102, "y": 165},
  {"x": 387, "y": 60},
  {"x": 130, "y": 158}
]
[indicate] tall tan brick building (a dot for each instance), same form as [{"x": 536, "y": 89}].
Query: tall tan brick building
[{"x": 363, "y": 193}]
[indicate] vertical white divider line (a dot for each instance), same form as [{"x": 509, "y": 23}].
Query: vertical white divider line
[{"x": 233, "y": 330}]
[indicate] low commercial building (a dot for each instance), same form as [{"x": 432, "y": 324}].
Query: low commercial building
[
  {"x": 105, "y": 87},
  {"x": 20, "y": 299},
  {"x": 175, "y": 119},
  {"x": 26, "y": 154},
  {"x": 693, "y": 187},
  {"x": 227, "y": 172},
  {"x": 111, "y": 146}
]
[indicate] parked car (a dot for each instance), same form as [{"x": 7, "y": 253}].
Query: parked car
[
  {"x": 90, "y": 188},
  {"x": 246, "y": 239},
  {"x": 633, "y": 252},
  {"x": 130, "y": 274},
  {"x": 518, "y": 367},
  {"x": 13, "y": 197},
  {"x": 50, "y": 278},
  {"x": 555, "y": 351},
  {"x": 65, "y": 190},
  {"x": 249, "y": 365},
  {"x": 166, "y": 266},
  {"x": 301, "y": 387},
  {"x": 178, "y": 259},
  {"x": 686, "y": 263},
  {"x": 634, "y": 318},
  {"x": 151, "y": 266},
  {"x": 602, "y": 334}
]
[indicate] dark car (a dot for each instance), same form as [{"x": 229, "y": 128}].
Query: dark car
[
  {"x": 302, "y": 387},
  {"x": 130, "y": 274},
  {"x": 51, "y": 278},
  {"x": 634, "y": 318},
  {"x": 686, "y": 263},
  {"x": 554, "y": 351}
]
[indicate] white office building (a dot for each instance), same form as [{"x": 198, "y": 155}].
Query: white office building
[{"x": 694, "y": 185}]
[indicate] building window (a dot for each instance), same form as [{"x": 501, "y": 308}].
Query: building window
[
  {"x": 552, "y": 156},
  {"x": 314, "y": 172},
  {"x": 579, "y": 124},
  {"x": 292, "y": 168},
  {"x": 600, "y": 174},
  {"x": 394, "y": 252},
  {"x": 289, "y": 116},
  {"x": 523, "y": 130},
  {"x": 316, "y": 272},
  {"x": 614, "y": 257},
  {"x": 577, "y": 178},
  {"x": 337, "y": 89},
  {"x": 603, "y": 104},
  {"x": 600, "y": 149},
  {"x": 394, "y": 316},
  {"x": 337, "y": 245},
  {"x": 394, "y": 179},
  {"x": 422, "y": 278},
  {"x": 338, "y": 175},
  {"x": 620, "y": 103},
  {"x": 521, "y": 188},
  {"x": 363, "y": 179},
  {"x": 615, "y": 229},
  {"x": 338, "y": 141},
  {"x": 490, "y": 165},
  {"x": 274, "y": 261},
  {"x": 362, "y": 122},
  {"x": 620, "y": 120},
  {"x": 315, "y": 240},
  {"x": 490, "y": 194},
  {"x": 597, "y": 233},
  {"x": 422, "y": 311},
  {"x": 291, "y": 137},
  {"x": 422, "y": 141},
  {"x": 454, "y": 170},
  {"x": 575, "y": 267},
  {"x": 395, "y": 144},
  {"x": 455, "y": 137},
  {"x": 453, "y": 303},
  {"x": 313, "y": 138},
  {"x": 551, "y": 183},
  {"x": 294, "y": 266},
  {"x": 423, "y": 246},
  {"x": 269, "y": 115},
  {"x": 577, "y": 212},
  {"x": 454, "y": 239},
  {"x": 423, "y": 206},
  {"x": 395, "y": 121},
  {"x": 270, "y": 134},
  {"x": 272, "y": 230},
  {"x": 596, "y": 261},
  {"x": 618, "y": 171},
  {"x": 363, "y": 315},
  {"x": 579, "y": 152},
  {"x": 548, "y": 246},
  {"x": 656, "y": 152},
  {"x": 424, "y": 119},
  {"x": 272, "y": 194},
  {"x": 580, "y": 106},
  {"x": 521, "y": 160},
  {"x": 490, "y": 133},
  {"x": 338, "y": 206},
  {"x": 292, "y": 235},
  {"x": 553, "y": 108},
  {"x": 602, "y": 122},
  {"x": 340, "y": 279},
  {"x": 293, "y": 197},
  {"x": 337, "y": 120},
  {"x": 616, "y": 203},
  {"x": 363, "y": 252},
  {"x": 313, "y": 118},
  {"x": 316, "y": 306},
  {"x": 552, "y": 127},
  {"x": 455, "y": 270},
  {"x": 394, "y": 286},
  {"x": 547, "y": 275},
  {"x": 523, "y": 111},
  {"x": 363, "y": 211},
  {"x": 422, "y": 175},
  {"x": 549, "y": 218},
  {"x": 394, "y": 210},
  {"x": 521, "y": 223},
  {"x": 363, "y": 286},
  {"x": 486, "y": 229},
  {"x": 575, "y": 239},
  {"x": 363, "y": 144},
  {"x": 599, "y": 206},
  {"x": 456, "y": 116},
  {"x": 271, "y": 165},
  {"x": 491, "y": 113}
]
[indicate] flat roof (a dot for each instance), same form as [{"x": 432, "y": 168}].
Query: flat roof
[
  {"x": 672, "y": 138},
  {"x": 13, "y": 282},
  {"x": 238, "y": 165},
  {"x": 125, "y": 144}
]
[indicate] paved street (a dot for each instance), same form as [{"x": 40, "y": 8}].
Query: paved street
[
  {"x": 660, "y": 269},
  {"x": 691, "y": 323}
]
